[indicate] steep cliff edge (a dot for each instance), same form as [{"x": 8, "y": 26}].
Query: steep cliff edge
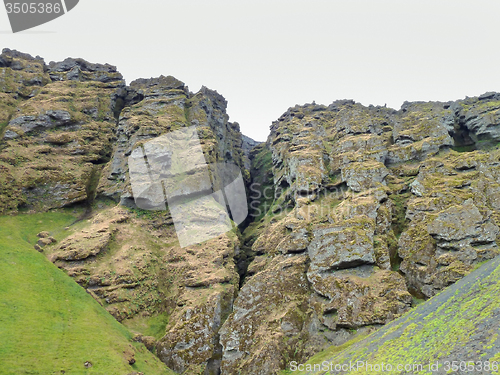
[
  {"x": 356, "y": 213},
  {"x": 67, "y": 142},
  {"x": 363, "y": 206},
  {"x": 58, "y": 130}
]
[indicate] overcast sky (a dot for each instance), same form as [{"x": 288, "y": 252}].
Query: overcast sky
[{"x": 266, "y": 56}]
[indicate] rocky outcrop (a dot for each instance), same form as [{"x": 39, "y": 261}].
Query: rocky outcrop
[
  {"x": 373, "y": 204},
  {"x": 67, "y": 131},
  {"x": 331, "y": 276},
  {"x": 248, "y": 144},
  {"x": 56, "y": 137},
  {"x": 479, "y": 117},
  {"x": 268, "y": 320},
  {"x": 81, "y": 70},
  {"x": 353, "y": 209},
  {"x": 166, "y": 105},
  {"x": 73, "y": 118},
  {"x": 135, "y": 269},
  {"x": 462, "y": 320},
  {"x": 453, "y": 220}
]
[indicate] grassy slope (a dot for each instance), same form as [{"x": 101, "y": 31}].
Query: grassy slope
[
  {"x": 460, "y": 324},
  {"x": 49, "y": 324}
]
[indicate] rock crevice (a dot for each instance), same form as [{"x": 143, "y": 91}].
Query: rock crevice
[{"x": 351, "y": 208}]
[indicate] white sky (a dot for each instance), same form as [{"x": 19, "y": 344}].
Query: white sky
[{"x": 266, "y": 56}]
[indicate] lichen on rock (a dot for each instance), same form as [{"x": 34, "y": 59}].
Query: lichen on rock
[{"x": 355, "y": 211}]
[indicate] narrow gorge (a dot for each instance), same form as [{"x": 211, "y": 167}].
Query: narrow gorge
[{"x": 357, "y": 214}]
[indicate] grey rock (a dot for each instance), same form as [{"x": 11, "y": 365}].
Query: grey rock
[
  {"x": 484, "y": 125},
  {"x": 296, "y": 242},
  {"x": 9, "y": 134},
  {"x": 363, "y": 176},
  {"x": 51, "y": 119},
  {"x": 82, "y": 70},
  {"x": 339, "y": 247},
  {"x": 459, "y": 227},
  {"x": 360, "y": 296},
  {"x": 417, "y": 188},
  {"x": 247, "y": 145},
  {"x": 488, "y": 95}
]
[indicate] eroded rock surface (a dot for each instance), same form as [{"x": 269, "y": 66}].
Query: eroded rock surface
[
  {"x": 353, "y": 210},
  {"x": 57, "y": 136},
  {"x": 374, "y": 204},
  {"x": 453, "y": 220},
  {"x": 166, "y": 105}
]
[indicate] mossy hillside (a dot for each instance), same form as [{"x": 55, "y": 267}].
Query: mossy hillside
[
  {"x": 325, "y": 354},
  {"x": 120, "y": 264},
  {"x": 7, "y": 106},
  {"x": 130, "y": 261},
  {"x": 460, "y": 322},
  {"x": 153, "y": 326},
  {"x": 49, "y": 324}
]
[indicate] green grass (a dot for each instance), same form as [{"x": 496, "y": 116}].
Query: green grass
[
  {"x": 399, "y": 219},
  {"x": 150, "y": 326},
  {"x": 3, "y": 125},
  {"x": 325, "y": 355},
  {"x": 48, "y": 323},
  {"x": 469, "y": 148}
]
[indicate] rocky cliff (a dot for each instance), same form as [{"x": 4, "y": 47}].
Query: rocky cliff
[
  {"x": 67, "y": 131},
  {"x": 368, "y": 207},
  {"x": 356, "y": 213}
]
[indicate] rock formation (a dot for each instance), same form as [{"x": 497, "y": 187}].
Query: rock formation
[
  {"x": 374, "y": 204},
  {"x": 355, "y": 212}
]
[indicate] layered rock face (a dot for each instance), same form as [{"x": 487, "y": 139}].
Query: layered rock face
[
  {"x": 354, "y": 211},
  {"x": 368, "y": 204},
  {"x": 162, "y": 105},
  {"x": 58, "y": 130},
  {"x": 67, "y": 131}
]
